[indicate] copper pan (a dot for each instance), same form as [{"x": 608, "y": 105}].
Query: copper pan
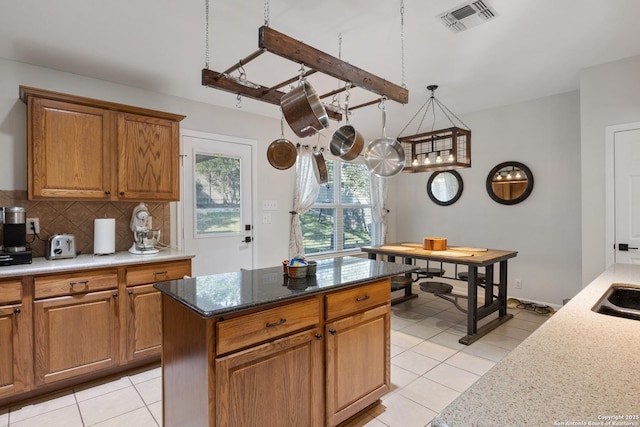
[{"x": 281, "y": 153}]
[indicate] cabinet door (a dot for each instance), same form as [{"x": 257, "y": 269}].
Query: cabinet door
[
  {"x": 148, "y": 158},
  {"x": 358, "y": 362},
  {"x": 74, "y": 335},
  {"x": 68, "y": 151},
  {"x": 10, "y": 362},
  {"x": 144, "y": 322},
  {"x": 272, "y": 385}
]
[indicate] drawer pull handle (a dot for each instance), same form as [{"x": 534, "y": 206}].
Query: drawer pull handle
[
  {"x": 279, "y": 322},
  {"x": 80, "y": 282},
  {"x": 16, "y": 311},
  {"x": 364, "y": 298},
  {"x": 318, "y": 336},
  {"x": 332, "y": 331},
  {"x": 157, "y": 273}
]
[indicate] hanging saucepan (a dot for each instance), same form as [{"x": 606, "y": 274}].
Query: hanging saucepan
[
  {"x": 319, "y": 165},
  {"x": 346, "y": 142},
  {"x": 303, "y": 110},
  {"x": 384, "y": 156},
  {"x": 281, "y": 153}
]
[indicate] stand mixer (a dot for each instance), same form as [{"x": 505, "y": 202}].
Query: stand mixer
[{"x": 144, "y": 237}]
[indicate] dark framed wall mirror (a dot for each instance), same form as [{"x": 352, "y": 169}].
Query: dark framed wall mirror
[
  {"x": 444, "y": 187},
  {"x": 510, "y": 183}
]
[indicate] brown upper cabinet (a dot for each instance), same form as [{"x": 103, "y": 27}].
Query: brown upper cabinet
[{"x": 85, "y": 149}]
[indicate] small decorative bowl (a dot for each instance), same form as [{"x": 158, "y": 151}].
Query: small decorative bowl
[{"x": 297, "y": 272}]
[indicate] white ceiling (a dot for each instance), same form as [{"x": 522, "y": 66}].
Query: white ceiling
[{"x": 533, "y": 49}]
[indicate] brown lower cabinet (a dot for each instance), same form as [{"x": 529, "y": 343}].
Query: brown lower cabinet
[
  {"x": 75, "y": 334},
  {"x": 357, "y": 371},
  {"x": 315, "y": 362},
  {"x": 14, "y": 344},
  {"x": 61, "y": 329},
  {"x": 144, "y": 325}
]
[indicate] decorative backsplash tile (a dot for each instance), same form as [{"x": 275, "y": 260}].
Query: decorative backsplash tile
[{"x": 77, "y": 218}]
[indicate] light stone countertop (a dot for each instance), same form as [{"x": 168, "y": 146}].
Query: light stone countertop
[
  {"x": 85, "y": 262},
  {"x": 578, "y": 368}
]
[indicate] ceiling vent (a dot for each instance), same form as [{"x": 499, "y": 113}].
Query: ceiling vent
[{"x": 467, "y": 15}]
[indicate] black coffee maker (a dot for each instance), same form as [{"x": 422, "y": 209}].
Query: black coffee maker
[{"x": 14, "y": 236}]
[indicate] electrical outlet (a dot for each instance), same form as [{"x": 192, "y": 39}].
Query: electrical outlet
[
  {"x": 36, "y": 225},
  {"x": 518, "y": 283}
]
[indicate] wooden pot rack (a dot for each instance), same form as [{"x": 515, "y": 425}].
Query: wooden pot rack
[{"x": 282, "y": 45}]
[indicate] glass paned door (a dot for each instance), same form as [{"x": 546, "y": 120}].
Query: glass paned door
[{"x": 217, "y": 208}]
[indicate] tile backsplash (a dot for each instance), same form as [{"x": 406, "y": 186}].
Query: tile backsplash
[{"x": 77, "y": 218}]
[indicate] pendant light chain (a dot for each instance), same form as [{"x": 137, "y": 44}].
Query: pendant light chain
[
  {"x": 404, "y": 85},
  {"x": 266, "y": 13},
  {"x": 206, "y": 34}
]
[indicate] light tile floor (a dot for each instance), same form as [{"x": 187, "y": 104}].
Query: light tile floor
[{"x": 429, "y": 369}]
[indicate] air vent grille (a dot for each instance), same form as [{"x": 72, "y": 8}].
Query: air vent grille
[{"x": 467, "y": 15}]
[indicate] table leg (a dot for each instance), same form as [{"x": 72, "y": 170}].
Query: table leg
[
  {"x": 488, "y": 285},
  {"x": 472, "y": 301},
  {"x": 502, "y": 289},
  {"x": 474, "y": 314}
]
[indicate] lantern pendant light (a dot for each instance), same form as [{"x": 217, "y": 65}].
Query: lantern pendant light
[{"x": 435, "y": 150}]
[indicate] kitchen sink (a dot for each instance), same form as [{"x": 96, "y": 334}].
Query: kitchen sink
[{"x": 620, "y": 300}]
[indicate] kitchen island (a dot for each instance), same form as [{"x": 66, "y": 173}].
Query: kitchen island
[
  {"x": 257, "y": 348},
  {"x": 579, "y": 368}
]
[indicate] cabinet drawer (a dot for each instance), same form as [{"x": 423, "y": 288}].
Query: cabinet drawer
[
  {"x": 357, "y": 299},
  {"x": 244, "y": 331},
  {"x": 146, "y": 274},
  {"x": 75, "y": 283},
  {"x": 10, "y": 291}
]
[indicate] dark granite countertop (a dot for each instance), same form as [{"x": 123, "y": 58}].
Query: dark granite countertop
[{"x": 225, "y": 293}]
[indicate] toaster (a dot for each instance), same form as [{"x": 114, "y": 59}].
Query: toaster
[{"x": 61, "y": 246}]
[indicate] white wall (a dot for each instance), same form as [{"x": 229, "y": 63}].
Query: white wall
[
  {"x": 271, "y": 239},
  {"x": 609, "y": 95},
  {"x": 544, "y": 134}
]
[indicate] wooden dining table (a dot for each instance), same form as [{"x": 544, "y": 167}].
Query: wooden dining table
[{"x": 473, "y": 259}]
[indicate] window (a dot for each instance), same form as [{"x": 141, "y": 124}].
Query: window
[{"x": 341, "y": 217}]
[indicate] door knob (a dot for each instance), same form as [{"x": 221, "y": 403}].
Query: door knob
[
  {"x": 247, "y": 239},
  {"x": 624, "y": 247}
]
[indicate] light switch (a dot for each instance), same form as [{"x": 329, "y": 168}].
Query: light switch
[
  {"x": 266, "y": 218},
  {"x": 269, "y": 205}
]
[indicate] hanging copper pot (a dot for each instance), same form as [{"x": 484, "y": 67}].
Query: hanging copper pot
[
  {"x": 303, "y": 110},
  {"x": 346, "y": 142}
]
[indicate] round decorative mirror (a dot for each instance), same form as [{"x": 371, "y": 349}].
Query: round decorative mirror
[
  {"x": 444, "y": 187},
  {"x": 509, "y": 183}
]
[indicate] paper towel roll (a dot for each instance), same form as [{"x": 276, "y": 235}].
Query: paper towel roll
[{"x": 104, "y": 236}]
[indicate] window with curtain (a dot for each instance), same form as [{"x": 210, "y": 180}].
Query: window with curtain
[{"x": 340, "y": 220}]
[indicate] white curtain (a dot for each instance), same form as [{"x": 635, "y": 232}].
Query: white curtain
[
  {"x": 379, "y": 211},
  {"x": 304, "y": 196}
]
